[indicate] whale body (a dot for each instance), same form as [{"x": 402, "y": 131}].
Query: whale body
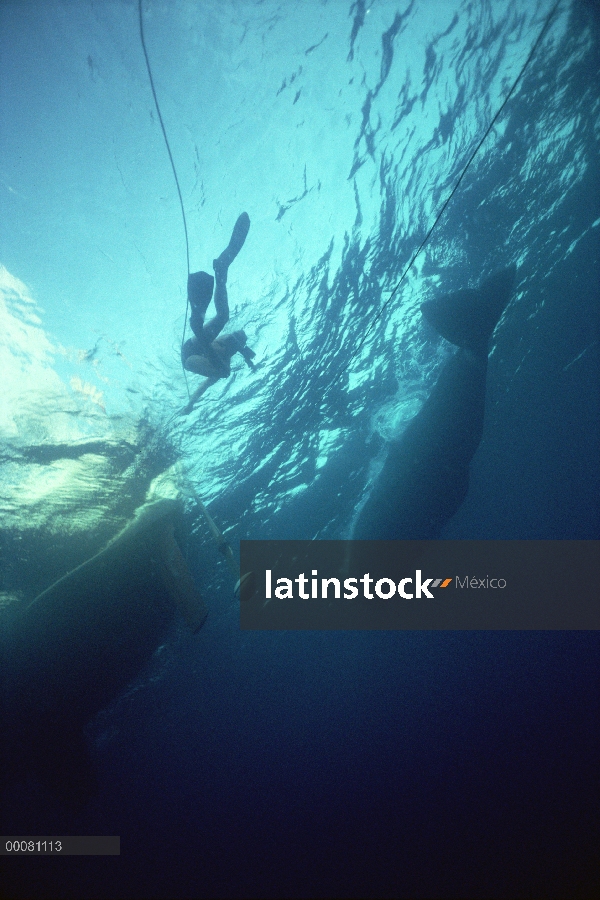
[
  {"x": 73, "y": 649},
  {"x": 425, "y": 477}
]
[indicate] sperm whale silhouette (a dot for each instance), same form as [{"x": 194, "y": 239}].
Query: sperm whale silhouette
[
  {"x": 74, "y": 648},
  {"x": 425, "y": 477}
]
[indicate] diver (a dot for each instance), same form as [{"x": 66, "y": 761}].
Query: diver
[{"x": 208, "y": 352}]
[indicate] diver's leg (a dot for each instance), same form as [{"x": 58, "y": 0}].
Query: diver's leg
[
  {"x": 221, "y": 265},
  {"x": 199, "y": 290},
  {"x": 213, "y": 328}
]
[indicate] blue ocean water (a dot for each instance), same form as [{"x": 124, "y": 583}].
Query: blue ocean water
[{"x": 423, "y": 764}]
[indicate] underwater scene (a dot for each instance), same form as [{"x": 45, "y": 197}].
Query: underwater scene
[{"x": 293, "y": 270}]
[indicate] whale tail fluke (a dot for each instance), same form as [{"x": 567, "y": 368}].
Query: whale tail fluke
[{"x": 468, "y": 318}]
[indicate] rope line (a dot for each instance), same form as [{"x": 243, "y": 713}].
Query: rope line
[
  {"x": 456, "y": 186},
  {"x": 164, "y": 131}
]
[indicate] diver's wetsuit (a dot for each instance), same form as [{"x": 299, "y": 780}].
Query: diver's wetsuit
[
  {"x": 206, "y": 343},
  {"x": 200, "y": 290}
]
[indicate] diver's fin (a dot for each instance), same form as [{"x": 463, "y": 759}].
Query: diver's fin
[
  {"x": 469, "y": 317},
  {"x": 236, "y": 242},
  {"x": 200, "y": 289}
]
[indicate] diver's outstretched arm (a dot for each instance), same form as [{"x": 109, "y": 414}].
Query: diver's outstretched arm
[{"x": 208, "y": 382}]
